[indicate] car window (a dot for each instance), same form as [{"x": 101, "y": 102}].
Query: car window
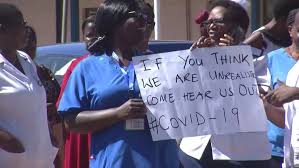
[{"x": 53, "y": 62}]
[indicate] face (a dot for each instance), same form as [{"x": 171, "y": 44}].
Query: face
[
  {"x": 216, "y": 25},
  {"x": 132, "y": 31},
  {"x": 89, "y": 33},
  {"x": 294, "y": 31},
  {"x": 14, "y": 35},
  {"x": 150, "y": 25},
  {"x": 30, "y": 44}
]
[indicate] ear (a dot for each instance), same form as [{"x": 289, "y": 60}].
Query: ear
[{"x": 290, "y": 30}]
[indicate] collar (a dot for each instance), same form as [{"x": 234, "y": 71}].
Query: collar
[
  {"x": 115, "y": 57},
  {"x": 23, "y": 55},
  {"x": 2, "y": 59},
  {"x": 19, "y": 54}
]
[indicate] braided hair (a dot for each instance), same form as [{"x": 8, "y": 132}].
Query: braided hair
[{"x": 292, "y": 16}]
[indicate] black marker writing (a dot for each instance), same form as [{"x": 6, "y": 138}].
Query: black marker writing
[{"x": 191, "y": 61}]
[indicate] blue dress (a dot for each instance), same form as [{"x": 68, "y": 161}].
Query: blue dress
[
  {"x": 279, "y": 64},
  {"x": 98, "y": 83}
]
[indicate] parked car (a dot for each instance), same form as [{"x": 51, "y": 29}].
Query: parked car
[{"x": 57, "y": 56}]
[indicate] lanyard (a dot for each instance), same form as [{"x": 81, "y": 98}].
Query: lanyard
[{"x": 129, "y": 74}]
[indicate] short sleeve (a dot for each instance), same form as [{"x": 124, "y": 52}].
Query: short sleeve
[
  {"x": 74, "y": 98},
  {"x": 262, "y": 73}
]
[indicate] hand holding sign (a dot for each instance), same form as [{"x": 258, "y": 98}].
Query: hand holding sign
[{"x": 133, "y": 108}]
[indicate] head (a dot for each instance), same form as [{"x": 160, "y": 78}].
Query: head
[
  {"x": 227, "y": 17},
  {"x": 293, "y": 26},
  {"x": 30, "y": 42},
  {"x": 119, "y": 23},
  {"x": 150, "y": 24},
  {"x": 280, "y": 13},
  {"x": 12, "y": 27},
  {"x": 88, "y": 29},
  {"x": 281, "y": 9}
]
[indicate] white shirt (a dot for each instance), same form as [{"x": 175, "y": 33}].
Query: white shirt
[
  {"x": 291, "y": 119},
  {"x": 23, "y": 113}
]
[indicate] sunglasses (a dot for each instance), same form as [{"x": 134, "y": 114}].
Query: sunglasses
[
  {"x": 213, "y": 21},
  {"x": 140, "y": 17}
]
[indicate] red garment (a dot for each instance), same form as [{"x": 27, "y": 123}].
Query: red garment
[{"x": 76, "y": 146}]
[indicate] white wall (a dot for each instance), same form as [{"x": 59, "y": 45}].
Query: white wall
[
  {"x": 41, "y": 15},
  {"x": 175, "y": 23}
]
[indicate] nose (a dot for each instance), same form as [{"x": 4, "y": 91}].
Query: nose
[{"x": 212, "y": 26}]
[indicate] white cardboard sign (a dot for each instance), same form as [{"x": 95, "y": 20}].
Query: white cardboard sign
[{"x": 206, "y": 91}]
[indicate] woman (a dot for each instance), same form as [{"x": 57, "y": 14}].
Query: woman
[
  {"x": 52, "y": 91},
  {"x": 226, "y": 25},
  {"x": 22, "y": 99},
  {"x": 284, "y": 94},
  {"x": 76, "y": 146},
  {"x": 102, "y": 95}
]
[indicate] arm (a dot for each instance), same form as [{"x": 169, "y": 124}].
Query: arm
[
  {"x": 275, "y": 114},
  {"x": 97, "y": 120},
  {"x": 255, "y": 40},
  {"x": 10, "y": 143}
]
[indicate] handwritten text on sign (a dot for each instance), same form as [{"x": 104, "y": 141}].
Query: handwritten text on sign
[{"x": 206, "y": 91}]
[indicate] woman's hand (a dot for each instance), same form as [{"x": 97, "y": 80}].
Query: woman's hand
[
  {"x": 133, "y": 108},
  {"x": 56, "y": 124},
  {"x": 226, "y": 40},
  {"x": 203, "y": 42},
  {"x": 10, "y": 143},
  {"x": 283, "y": 94}
]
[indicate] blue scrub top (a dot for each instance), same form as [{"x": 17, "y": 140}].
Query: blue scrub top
[
  {"x": 279, "y": 64},
  {"x": 98, "y": 83}
]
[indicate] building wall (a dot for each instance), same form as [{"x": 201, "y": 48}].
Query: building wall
[
  {"x": 41, "y": 15},
  {"x": 176, "y": 16},
  {"x": 83, "y": 4}
]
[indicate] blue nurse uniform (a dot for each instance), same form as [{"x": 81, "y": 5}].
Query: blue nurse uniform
[{"x": 98, "y": 83}]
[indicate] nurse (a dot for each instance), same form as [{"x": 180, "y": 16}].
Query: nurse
[
  {"x": 102, "y": 95},
  {"x": 24, "y": 133}
]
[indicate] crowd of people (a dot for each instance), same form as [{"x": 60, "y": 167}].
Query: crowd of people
[{"x": 84, "y": 122}]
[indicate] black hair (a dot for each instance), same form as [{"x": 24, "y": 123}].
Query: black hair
[
  {"x": 235, "y": 13},
  {"x": 282, "y": 8},
  {"x": 10, "y": 14},
  {"x": 89, "y": 19},
  {"x": 110, "y": 15},
  {"x": 150, "y": 10},
  {"x": 292, "y": 16}
]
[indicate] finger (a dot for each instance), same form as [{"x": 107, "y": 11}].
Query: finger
[
  {"x": 138, "y": 110},
  {"x": 208, "y": 42},
  {"x": 228, "y": 37},
  {"x": 200, "y": 42},
  {"x": 137, "y": 104},
  {"x": 222, "y": 44},
  {"x": 225, "y": 41},
  {"x": 136, "y": 100},
  {"x": 268, "y": 97},
  {"x": 193, "y": 46}
]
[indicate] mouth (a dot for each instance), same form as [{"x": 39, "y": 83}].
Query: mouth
[{"x": 212, "y": 33}]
